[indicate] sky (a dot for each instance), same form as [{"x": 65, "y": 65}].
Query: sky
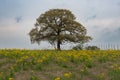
[{"x": 101, "y": 18}]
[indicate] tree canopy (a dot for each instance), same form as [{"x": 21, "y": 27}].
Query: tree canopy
[{"x": 58, "y": 26}]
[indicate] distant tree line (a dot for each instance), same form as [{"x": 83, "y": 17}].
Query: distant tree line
[{"x": 82, "y": 47}]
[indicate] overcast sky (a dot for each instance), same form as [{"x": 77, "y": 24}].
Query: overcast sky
[{"x": 17, "y": 17}]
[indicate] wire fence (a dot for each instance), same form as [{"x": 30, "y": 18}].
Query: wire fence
[{"x": 105, "y": 46}]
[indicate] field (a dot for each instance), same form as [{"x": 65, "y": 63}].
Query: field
[{"x": 18, "y": 64}]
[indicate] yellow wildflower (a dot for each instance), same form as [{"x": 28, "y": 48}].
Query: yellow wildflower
[
  {"x": 119, "y": 68},
  {"x": 11, "y": 68},
  {"x": 40, "y": 61},
  {"x": 81, "y": 70},
  {"x": 10, "y": 78},
  {"x": 67, "y": 74},
  {"x": 57, "y": 78},
  {"x": 111, "y": 66}
]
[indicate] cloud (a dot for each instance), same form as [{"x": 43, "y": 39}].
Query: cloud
[
  {"x": 6, "y": 22},
  {"x": 118, "y": 3},
  {"x": 104, "y": 29},
  {"x": 101, "y": 17},
  {"x": 110, "y": 36},
  {"x": 18, "y": 19},
  {"x": 13, "y": 35},
  {"x": 91, "y": 17},
  {"x": 105, "y": 22}
]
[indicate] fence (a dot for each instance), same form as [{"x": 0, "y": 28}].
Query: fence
[{"x": 105, "y": 46}]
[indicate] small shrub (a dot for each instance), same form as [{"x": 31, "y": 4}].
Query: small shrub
[{"x": 92, "y": 48}]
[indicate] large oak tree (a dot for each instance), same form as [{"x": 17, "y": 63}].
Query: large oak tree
[{"x": 58, "y": 26}]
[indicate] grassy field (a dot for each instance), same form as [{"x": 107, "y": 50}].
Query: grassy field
[{"x": 59, "y": 65}]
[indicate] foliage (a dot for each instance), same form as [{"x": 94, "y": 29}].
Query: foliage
[
  {"x": 58, "y": 26},
  {"x": 114, "y": 72},
  {"x": 78, "y": 47},
  {"x": 92, "y": 48}
]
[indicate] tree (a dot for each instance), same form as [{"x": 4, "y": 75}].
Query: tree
[
  {"x": 92, "y": 48},
  {"x": 78, "y": 47},
  {"x": 58, "y": 26}
]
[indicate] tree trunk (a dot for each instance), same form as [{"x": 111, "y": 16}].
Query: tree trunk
[
  {"x": 58, "y": 39},
  {"x": 58, "y": 45}
]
